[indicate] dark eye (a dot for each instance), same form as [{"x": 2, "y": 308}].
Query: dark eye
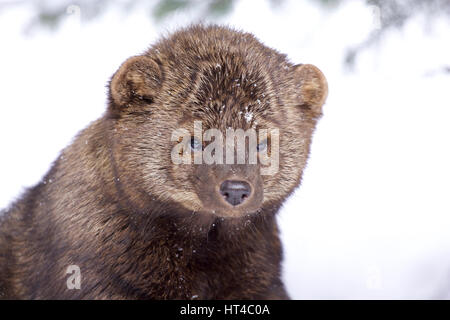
[
  {"x": 262, "y": 146},
  {"x": 195, "y": 144}
]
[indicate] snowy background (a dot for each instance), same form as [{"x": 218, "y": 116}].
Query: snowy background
[{"x": 372, "y": 217}]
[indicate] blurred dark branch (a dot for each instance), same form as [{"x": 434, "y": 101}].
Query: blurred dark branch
[
  {"x": 50, "y": 14},
  {"x": 163, "y": 8},
  {"x": 394, "y": 14},
  {"x": 389, "y": 14},
  {"x": 442, "y": 70}
]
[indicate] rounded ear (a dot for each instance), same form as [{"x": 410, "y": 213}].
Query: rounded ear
[
  {"x": 313, "y": 87},
  {"x": 138, "y": 79}
]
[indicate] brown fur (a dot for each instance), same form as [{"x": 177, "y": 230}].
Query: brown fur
[{"x": 141, "y": 227}]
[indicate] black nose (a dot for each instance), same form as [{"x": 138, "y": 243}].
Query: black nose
[{"x": 235, "y": 192}]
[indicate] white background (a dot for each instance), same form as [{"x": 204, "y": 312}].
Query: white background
[{"x": 371, "y": 219}]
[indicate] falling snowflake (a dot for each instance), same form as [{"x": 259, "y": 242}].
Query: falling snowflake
[{"x": 248, "y": 116}]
